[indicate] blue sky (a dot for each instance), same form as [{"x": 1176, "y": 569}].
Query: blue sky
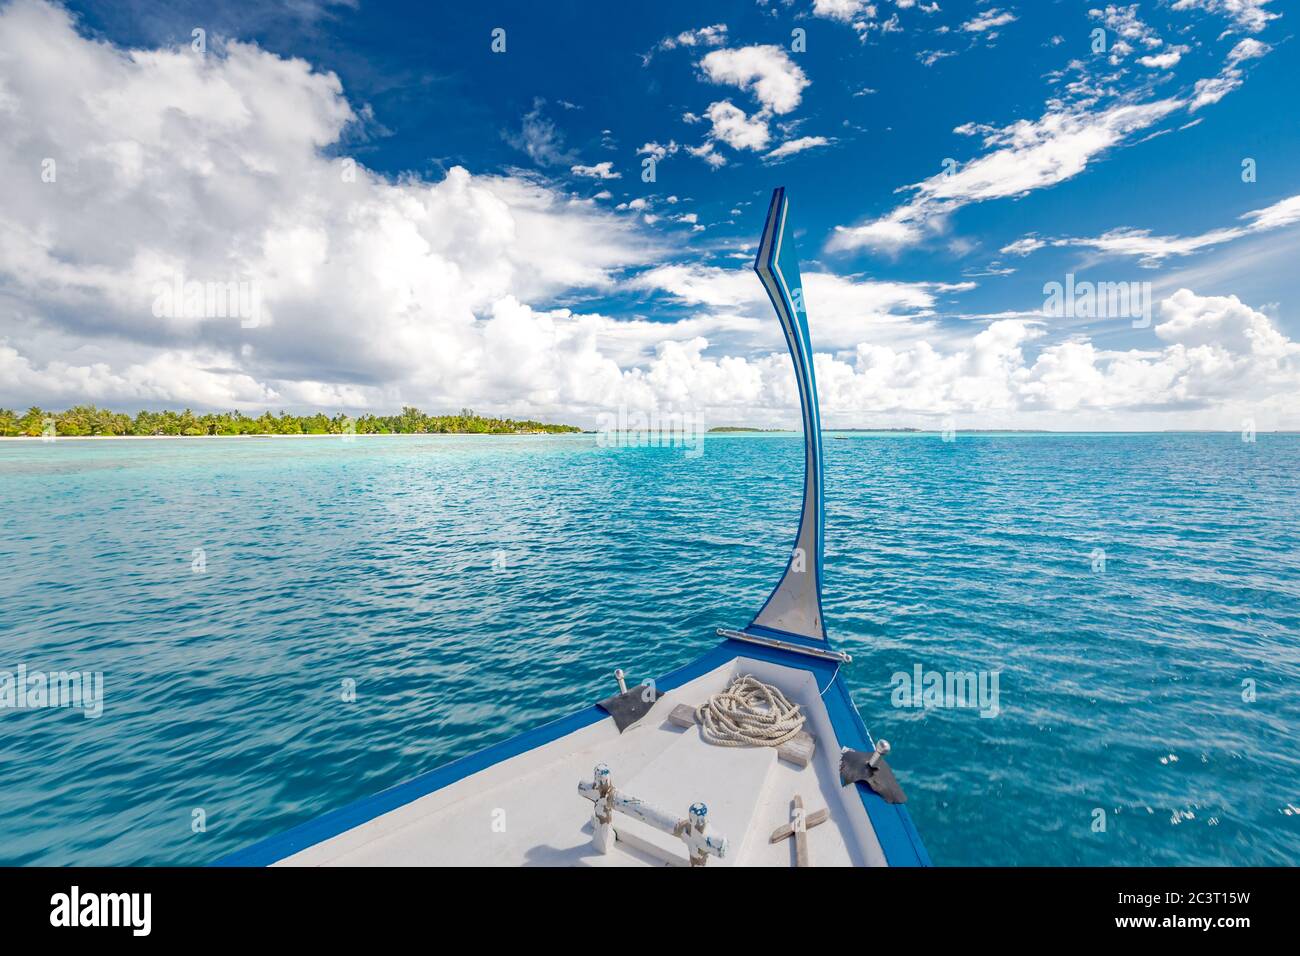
[{"x": 945, "y": 162}]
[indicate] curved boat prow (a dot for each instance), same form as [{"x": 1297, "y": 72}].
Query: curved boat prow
[
  {"x": 663, "y": 791},
  {"x": 794, "y": 608}
]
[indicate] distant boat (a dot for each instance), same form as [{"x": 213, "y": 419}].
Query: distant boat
[{"x": 752, "y": 755}]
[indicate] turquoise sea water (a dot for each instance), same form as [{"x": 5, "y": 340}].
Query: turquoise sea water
[{"x": 1121, "y": 689}]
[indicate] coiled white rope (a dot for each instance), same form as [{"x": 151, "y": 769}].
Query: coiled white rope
[{"x": 749, "y": 713}]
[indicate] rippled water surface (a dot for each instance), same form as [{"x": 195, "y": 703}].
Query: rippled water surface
[{"x": 1121, "y": 690}]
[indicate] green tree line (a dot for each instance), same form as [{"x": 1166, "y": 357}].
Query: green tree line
[{"x": 86, "y": 420}]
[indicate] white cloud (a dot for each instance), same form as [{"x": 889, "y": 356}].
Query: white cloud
[
  {"x": 210, "y": 168},
  {"x": 714, "y": 35},
  {"x": 159, "y": 379},
  {"x": 1213, "y": 362},
  {"x": 773, "y": 79},
  {"x": 1247, "y": 49},
  {"x": 1220, "y": 322},
  {"x": 844, "y": 10},
  {"x": 1219, "y": 361},
  {"x": 603, "y": 170},
  {"x": 931, "y": 57},
  {"x": 1023, "y": 247},
  {"x": 1124, "y": 22},
  {"x": 540, "y": 138},
  {"x": 706, "y": 152},
  {"x": 1153, "y": 249},
  {"x": 847, "y": 308},
  {"x": 1248, "y": 15},
  {"x": 1031, "y": 155},
  {"x": 988, "y": 20},
  {"x": 1211, "y": 90},
  {"x": 890, "y": 234},
  {"x": 892, "y": 25},
  {"x": 1164, "y": 61},
  {"x": 767, "y": 72},
  {"x": 1027, "y": 155},
  {"x": 733, "y": 127},
  {"x": 793, "y": 146},
  {"x": 658, "y": 150}
]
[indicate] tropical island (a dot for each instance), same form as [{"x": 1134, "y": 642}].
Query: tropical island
[{"x": 83, "y": 421}]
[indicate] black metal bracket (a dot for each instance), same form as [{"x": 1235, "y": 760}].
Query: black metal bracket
[
  {"x": 855, "y": 768},
  {"x": 629, "y": 706}
]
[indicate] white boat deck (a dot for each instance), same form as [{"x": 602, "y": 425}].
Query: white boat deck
[{"x": 527, "y": 810}]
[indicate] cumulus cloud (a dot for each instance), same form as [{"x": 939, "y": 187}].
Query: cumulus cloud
[
  {"x": 603, "y": 170},
  {"x": 658, "y": 150},
  {"x": 1213, "y": 362},
  {"x": 737, "y": 130},
  {"x": 172, "y": 165},
  {"x": 1166, "y": 60},
  {"x": 706, "y": 152},
  {"x": 766, "y": 71},
  {"x": 1218, "y": 361},
  {"x": 843, "y": 10},
  {"x": 848, "y": 309}
]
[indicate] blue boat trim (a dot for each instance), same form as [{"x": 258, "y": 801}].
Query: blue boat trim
[
  {"x": 894, "y": 828},
  {"x": 893, "y": 825},
  {"x": 368, "y": 808}
]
